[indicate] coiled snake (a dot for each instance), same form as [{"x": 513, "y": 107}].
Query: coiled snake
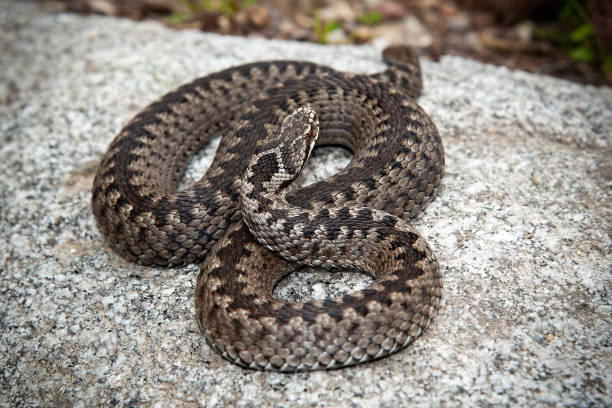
[{"x": 270, "y": 114}]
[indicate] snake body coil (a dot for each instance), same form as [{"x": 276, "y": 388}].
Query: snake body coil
[{"x": 353, "y": 219}]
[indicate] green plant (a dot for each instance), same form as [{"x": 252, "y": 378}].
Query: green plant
[
  {"x": 321, "y": 29},
  {"x": 371, "y": 18},
  {"x": 177, "y": 18},
  {"x": 217, "y": 6},
  {"x": 576, "y": 34}
]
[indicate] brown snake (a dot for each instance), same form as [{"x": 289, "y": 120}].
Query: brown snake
[{"x": 355, "y": 219}]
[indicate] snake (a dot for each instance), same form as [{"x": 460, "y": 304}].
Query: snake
[{"x": 245, "y": 228}]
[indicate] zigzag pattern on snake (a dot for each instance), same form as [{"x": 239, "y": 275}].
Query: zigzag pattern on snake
[{"x": 354, "y": 219}]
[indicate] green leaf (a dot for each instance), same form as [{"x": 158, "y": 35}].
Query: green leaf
[
  {"x": 176, "y": 18},
  {"x": 331, "y": 26},
  {"x": 572, "y": 10},
  {"x": 582, "y": 53},
  {"x": 206, "y": 5},
  {"x": 606, "y": 64},
  {"x": 582, "y": 33},
  {"x": 370, "y": 18},
  {"x": 190, "y": 5},
  {"x": 226, "y": 7}
]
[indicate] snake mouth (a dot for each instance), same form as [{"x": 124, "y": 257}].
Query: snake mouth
[{"x": 312, "y": 134}]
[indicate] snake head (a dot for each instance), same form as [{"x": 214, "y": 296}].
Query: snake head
[
  {"x": 280, "y": 159},
  {"x": 299, "y": 133}
]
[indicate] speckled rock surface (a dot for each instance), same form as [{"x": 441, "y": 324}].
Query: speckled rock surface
[{"x": 521, "y": 227}]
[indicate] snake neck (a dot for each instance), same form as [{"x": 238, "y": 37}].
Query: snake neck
[{"x": 277, "y": 162}]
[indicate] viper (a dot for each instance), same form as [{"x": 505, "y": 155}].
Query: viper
[{"x": 240, "y": 224}]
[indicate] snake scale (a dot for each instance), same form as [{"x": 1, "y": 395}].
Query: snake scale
[{"x": 247, "y": 232}]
